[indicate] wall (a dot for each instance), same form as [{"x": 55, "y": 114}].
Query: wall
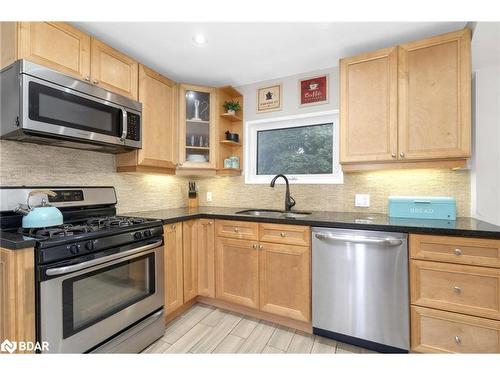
[
  {"x": 380, "y": 185},
  {"x": 485, "y": 177},
  {"x": 30, "y": 164}
]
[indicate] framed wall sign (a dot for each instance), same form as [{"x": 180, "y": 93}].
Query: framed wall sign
[
  {"x": 269, "y": 98},
  {"x": 313, "y": 90}
]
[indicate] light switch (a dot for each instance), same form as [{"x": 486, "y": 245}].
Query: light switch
[
  {"x": 362, "y": 200},
  {"x": 209, "y": 196}
]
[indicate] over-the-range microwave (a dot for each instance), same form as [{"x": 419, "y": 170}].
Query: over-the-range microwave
[{"x": 43, "y": 106}]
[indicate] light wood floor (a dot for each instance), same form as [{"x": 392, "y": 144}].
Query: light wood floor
[{"x": 206, "y": 329}]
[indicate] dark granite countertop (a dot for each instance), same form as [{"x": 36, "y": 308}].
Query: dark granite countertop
[{"x": 463, "y": 226}]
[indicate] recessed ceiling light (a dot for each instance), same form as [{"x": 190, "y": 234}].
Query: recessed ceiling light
[{"x": 200, "y": 39}]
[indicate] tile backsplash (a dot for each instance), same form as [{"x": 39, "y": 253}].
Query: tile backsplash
[
  {"x": 233, "y": 192},
  {"x": 30, "y": 164}
]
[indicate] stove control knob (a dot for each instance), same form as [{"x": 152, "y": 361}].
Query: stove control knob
[
  {"x": 137, "y": 235},
  {"x": 89, "y": 245},
  {"x": 147, "y": 233},
  {"x": 74, "y": 249}
]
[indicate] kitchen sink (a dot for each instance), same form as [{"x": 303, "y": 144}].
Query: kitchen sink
[{"x": 275, "y": 213}]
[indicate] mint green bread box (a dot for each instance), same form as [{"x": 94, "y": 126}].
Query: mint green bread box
[{"x": 439, "y": 208}]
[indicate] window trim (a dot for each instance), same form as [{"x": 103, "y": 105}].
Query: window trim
[{"x": 250, "y": 147}]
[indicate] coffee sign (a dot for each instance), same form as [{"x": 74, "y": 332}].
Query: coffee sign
[
  {"x": 269, "y": 98},
  {"x": 314, "y": 90}
]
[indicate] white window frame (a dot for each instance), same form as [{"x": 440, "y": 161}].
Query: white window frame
[{"x": 324, "y": 117}]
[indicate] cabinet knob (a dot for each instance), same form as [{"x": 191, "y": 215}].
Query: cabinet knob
[
  {"x": 261, "y": 247},
  {"x": 458, "y": 340},
  {"x": 173, "y": 226},
  {"x": 458, "y": 252},
  {"x": 254, "y": 246},
  {"x": 402, "y": 154},
  {"x": 86, "y": 78},
  {"x": 457, "y": 289},
  {"x": 210, "y": 222},
  {"x": 236, "y": 230},
  {"x": 95, "y": 81},
  {"x": 282, "y": 234},
  {"x": 393, "y": 155}
]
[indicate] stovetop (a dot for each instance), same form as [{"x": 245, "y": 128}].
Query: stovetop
[{"x": 90, "y": 225}]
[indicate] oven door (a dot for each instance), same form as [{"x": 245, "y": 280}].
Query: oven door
[
  {"x": 85, "y": 304},
  {"x": 49, "y": 108}
]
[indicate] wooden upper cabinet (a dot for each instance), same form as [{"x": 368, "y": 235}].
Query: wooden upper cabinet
[
  {"x": 435, "y": 97},
  {"x": 206, "y": 258},
  {"x": 55, "y": 45},
  {"x": 112, "y": 70},
  {"x": 173, "y": 267},
  {"x": 285, "y": 280},
  {"x": 237, "y": 271},
  {"x": 159, "y": 152},
  {"x": 368, "y": 107},
  {"x": 190, "y": 259}
]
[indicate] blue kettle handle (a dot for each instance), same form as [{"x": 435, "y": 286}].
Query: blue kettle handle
[{"x": 35, "y": 192}]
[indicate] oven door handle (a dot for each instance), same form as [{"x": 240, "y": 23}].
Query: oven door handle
[{"x": 77, "y": 267}]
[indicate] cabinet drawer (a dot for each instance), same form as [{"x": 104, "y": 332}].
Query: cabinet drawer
[
  {"x": 434, "y": 331},
  {"x": 465, "y": 289},
  {"x": 237, "y": 229},
  {"x": 285, "y": 234},
  {"x": 462, "y": 250}
]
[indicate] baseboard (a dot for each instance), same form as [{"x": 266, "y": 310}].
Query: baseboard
[
  {"x": 174, "y": 314},
  {"x": 287, "y": 322}
]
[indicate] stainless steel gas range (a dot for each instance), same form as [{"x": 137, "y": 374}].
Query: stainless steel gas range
[{"x": 99, "y": 276}]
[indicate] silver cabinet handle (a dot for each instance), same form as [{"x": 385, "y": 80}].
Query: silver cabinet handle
[
  {"x": 282, "y": 234},
  {"x": 124, "y": 125},
  {"x": 393, "y": 155},
  {"x": 254, "y": 246},
  {"x": 261, "y": 247},
  {"x": 236, "y": 230},
  {"x": 94, "y": 262},
  {"x": 458, "y": 340},
  {"x": 95, "y": 81},
  {"x": 86, "y": 78},
  {"x": 457, "y": 289},
  {"x": 458, "y": 252},
  {"x": 360, "y": 239},
  {"x": 402, "y": 154}
]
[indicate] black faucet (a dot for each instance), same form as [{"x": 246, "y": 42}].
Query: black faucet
[{"x": 289, "y": 201}]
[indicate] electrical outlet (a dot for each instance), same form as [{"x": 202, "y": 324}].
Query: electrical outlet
[
  {"x": 209, "y": 196},
  {"x": 362, "y": 200}
]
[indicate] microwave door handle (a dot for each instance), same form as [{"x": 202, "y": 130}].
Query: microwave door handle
[
  {"x": 124, "y": 125},
  {"x": 95, "y": 262}
]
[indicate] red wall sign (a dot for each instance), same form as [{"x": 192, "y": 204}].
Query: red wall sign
[{"x": 314, "y": 90}]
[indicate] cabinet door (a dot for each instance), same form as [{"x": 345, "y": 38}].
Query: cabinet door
[
  {"x": 206, "y": 258},
  {"x": 285, "y": 280},
  {"x": 197, "y": 127},
  {"x": 190, "y": 259},
  {"x": 237, "y": 271},
  {"x": 55, "y": 45},
  {"x": 158, "y": 96},
  {"x": 435, "y": 97},
  {"x": 113, "y": 70},
  {"x": 173, "y": 267},
  {"x": 368, "y": 107}
]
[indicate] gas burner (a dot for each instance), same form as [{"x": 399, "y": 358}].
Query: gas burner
[
  {"x": 114, "y": 221},
  {"x": 59, "y": 231}
]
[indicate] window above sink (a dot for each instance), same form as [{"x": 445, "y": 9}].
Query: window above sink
[{"x": 304, "y": 147}]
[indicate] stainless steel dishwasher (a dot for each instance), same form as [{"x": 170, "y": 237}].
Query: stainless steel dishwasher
[{"x": 360, "y": 288}]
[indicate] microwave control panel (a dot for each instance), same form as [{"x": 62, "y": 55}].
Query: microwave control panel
[{"x": 133, "y": 126}]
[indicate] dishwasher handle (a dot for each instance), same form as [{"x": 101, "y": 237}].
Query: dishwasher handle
[{"x": 388, "y": 241}]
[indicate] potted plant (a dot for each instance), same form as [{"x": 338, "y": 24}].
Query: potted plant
[{"x": 231, "y": 107}]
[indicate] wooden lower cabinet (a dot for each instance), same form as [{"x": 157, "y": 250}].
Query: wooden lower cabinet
[
  {"x": 206, "y": 258},
  {"x": 285, "y": 280},
  {"x": 17, "y": 295},
  {"x": 436, "y": 331},
  {"x": 190, "y": 259},
  {"x": 237, "y": 271},
  {"x": 173, "y": 267}
]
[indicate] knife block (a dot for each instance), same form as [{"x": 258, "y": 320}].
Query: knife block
[{"x": 193, "y": 201}]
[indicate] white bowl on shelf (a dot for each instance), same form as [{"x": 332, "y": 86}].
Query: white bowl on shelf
[{"x": 197, "y": 158}]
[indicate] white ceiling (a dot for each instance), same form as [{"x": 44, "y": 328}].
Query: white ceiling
[{"x": 242, "y": 53}]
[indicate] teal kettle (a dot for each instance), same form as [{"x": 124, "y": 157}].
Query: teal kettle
[{"x": 40, "y": 216}]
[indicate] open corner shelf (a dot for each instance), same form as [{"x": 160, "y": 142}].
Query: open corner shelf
[
  {"x": 229, "y": 172},
  {"x": 231, "y": 117},
  {"x": 230, "y": 143}
]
